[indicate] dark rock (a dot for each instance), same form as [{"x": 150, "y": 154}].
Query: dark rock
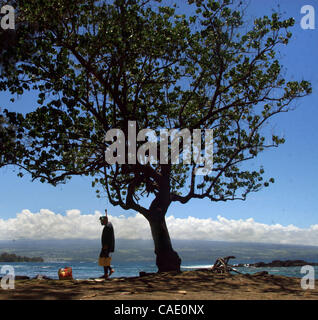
[
  {"x": 22, "y": 278},
  {"x": 143, "y": 273},
  {"x": 260, "y": 274},
  {"x": 280, "y": 263},
  {"x": 259, "y": 264}
]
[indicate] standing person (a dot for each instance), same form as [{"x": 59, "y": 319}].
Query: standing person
[{"x": 108, "y": 245}]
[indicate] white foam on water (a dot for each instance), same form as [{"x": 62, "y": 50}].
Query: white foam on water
[{"x": 197, "y": 266}]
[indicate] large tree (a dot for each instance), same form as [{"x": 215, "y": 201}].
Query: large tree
[{"x": 96, "y": 65}]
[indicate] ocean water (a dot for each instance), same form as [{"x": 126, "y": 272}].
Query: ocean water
[
  {"x": 81, "y": 270},
  {"x": 86, "y": 270},
  {"x": 282, "y": 271}
]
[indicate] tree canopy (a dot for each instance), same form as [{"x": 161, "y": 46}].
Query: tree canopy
[{"x": 96, "y": 65}]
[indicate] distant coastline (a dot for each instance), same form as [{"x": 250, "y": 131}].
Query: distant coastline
[
  {"x": 139, "y": 251},
  {"x": 11, "y": 257},
  {"x": 278, "y": 263}
]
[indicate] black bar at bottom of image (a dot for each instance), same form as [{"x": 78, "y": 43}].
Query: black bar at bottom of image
[{"x": 163, "y": 309}]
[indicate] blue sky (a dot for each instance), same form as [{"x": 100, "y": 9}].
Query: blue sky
[{"x": 292, "y": 199}]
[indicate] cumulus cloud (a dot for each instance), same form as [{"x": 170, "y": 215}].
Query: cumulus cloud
[
  {"x": 49, "y": 225},
  {"x": 73, "y": 225}
]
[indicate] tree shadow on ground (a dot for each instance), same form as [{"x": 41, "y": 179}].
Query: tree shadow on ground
[{"x": 164, "y": 283}]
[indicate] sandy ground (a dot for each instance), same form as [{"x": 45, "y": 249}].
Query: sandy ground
[{"x": 189, "y": 285}]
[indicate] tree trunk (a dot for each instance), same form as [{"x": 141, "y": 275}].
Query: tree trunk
[{"x": 166, "y": 258}]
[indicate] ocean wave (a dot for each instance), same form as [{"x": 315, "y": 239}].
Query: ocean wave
[{"x": 197, "y": 266}]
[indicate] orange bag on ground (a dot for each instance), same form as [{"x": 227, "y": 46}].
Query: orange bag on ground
[{"x": 65, "y": 273}]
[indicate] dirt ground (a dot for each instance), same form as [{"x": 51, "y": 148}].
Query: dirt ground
[{"x": 189, "y": 285}]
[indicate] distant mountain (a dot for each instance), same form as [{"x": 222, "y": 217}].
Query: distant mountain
[{"x": 143, "y": 250}]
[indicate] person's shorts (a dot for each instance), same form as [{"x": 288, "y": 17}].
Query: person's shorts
[{"x": 104, "y": 253}]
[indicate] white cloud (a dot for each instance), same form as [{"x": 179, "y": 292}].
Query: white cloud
[{"x": 49, "y": 225}]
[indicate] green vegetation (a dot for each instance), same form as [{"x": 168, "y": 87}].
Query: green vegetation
[{"x": 11, "y": 257}]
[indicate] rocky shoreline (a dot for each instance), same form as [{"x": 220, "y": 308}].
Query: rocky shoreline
[
  {"x": 274, "y": 263},
  {"x": 278, "y": 263}
]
